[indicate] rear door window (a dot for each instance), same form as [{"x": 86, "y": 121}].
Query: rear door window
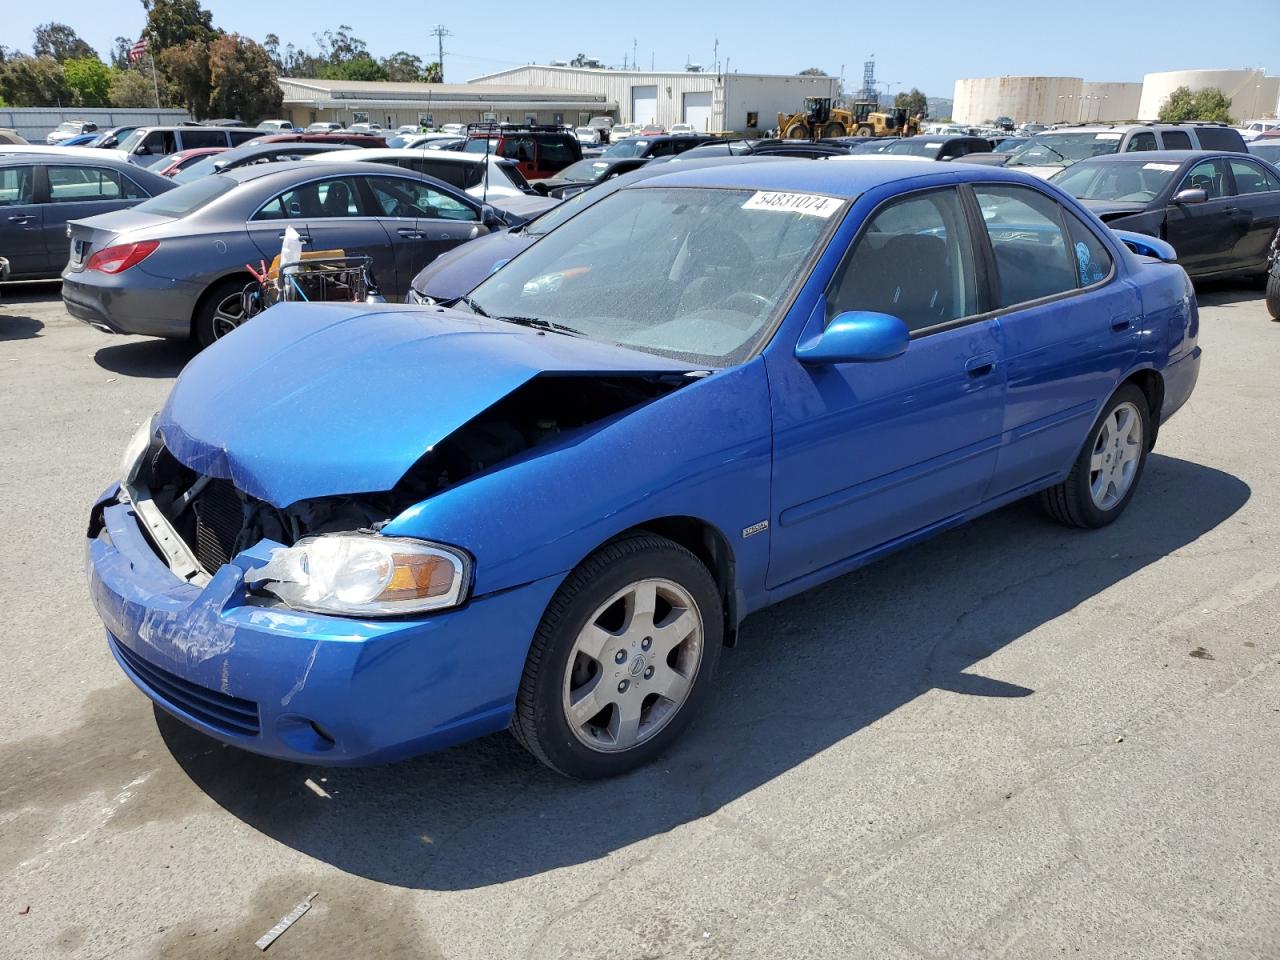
[
  {"x": 1253, "y": 177},
  {"x": 555, "y": 152},
  {"x": 1032, "y": 258},
  {"x": 74, "y": 184},
  {"x": 320, "y": 199},
  {"x": 242, "y": 136},
  {"x": 1176, "y": 140}
]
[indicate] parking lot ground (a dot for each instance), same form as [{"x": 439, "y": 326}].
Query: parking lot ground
[{"x": 1016, "y": 740}]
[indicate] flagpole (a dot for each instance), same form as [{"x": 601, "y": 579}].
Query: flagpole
[{"x": 154, "y": 82}]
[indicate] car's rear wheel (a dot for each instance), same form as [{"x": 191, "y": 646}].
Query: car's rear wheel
[
  {"x": 1109, "y": 466},
  {"x": 1273, "y": 296},
  {"x": 624, "y": 655},
  {"x": 220, "y": 311},
  {"x": 865, "y": 131},
  {"x": 797, "y": 131}
]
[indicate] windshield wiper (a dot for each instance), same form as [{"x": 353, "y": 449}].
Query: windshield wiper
[
  {"x": 472, "y": 306},
  {"x": 537, "y": 323}
]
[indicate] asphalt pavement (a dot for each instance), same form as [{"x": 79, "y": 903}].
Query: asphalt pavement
[{"x": 1016, "y": 740}]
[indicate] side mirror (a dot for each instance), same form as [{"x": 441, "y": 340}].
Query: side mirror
[
  {"x": 490, "y": 218},
  {"x": 857, "y": 336},
  {"x": 1190, "y": 196}
]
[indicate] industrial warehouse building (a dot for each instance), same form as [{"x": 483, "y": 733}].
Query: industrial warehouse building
[
  {"x": 1075, "y": 100},
  {"x": 711, "y": 102},
  {"x": 433, "y": 104}
]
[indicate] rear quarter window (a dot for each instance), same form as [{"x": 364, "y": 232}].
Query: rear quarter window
[{"x": 1220, "y": 138}]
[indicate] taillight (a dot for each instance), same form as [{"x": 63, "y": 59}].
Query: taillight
[{"x": 122, "y": 256}]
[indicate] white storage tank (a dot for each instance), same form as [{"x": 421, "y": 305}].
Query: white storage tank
[{"x": 1252, "y": 92}]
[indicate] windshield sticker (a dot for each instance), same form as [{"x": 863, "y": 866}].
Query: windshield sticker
[
  {"x": 1109, "y": 136},
  {"x": 1168, "y": 167},
  {"x": 812, "y": 204}
]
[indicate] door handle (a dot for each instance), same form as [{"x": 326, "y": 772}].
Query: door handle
[
  {"x": 302, "y": 237},
  {"x": 980, "y": 366},
  {"x": 1120, "y": 326},
  {"x": 410, "y": 234},
  {"x": 22, "y": 218}
]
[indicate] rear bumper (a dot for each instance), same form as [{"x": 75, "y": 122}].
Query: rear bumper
[
  {"x": 305, "y": 687},
  {"x": 133, "y": 302},
  {"x": 1179, "y": 380}
]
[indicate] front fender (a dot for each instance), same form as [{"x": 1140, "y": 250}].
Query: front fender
[{"x": 703, "y": 451}]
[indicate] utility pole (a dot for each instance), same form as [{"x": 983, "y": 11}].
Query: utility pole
[
  {"x": 715, "y": 55},
  {"x": 440, "y": 31},
  {"x": 635, "y": 64}
]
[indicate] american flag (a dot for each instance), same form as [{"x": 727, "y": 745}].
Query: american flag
[{"x": 137, "y": 50}]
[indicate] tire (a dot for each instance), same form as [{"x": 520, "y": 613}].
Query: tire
[
  {"x": 594, "y": 610},
  {"x": 213, "y": 316},
  {"x": 1096, "y": 491},
  {"x": 834, "y": 130},
  {"x": 865, "y": 132},
  {"x": 797, "y": 131},
  {"x": 1273, "y": 296}
]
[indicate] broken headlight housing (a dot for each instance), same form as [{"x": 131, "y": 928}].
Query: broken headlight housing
[
  {"x": 136, "y": 451},
  {"x": 364, "y": 574}
]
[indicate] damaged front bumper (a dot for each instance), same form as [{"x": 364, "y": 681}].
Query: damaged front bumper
[{"x": 299, "y": 686}]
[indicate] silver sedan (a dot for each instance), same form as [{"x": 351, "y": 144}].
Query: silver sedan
[{"x": 175, "y": 266}]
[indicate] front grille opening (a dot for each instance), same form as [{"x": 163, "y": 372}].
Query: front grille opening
[{"x": 223, "y": 712}]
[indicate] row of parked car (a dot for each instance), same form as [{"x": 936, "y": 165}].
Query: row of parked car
[{"x": 1220, "y": 209}]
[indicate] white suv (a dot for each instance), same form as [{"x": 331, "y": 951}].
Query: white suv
[{"x": 1047, "y": 153}]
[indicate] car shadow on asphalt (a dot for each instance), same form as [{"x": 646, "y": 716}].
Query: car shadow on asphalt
[
  {"x": 30, "y": 291},
  {"x": 1224, "y": 293},
  {"x": 146, "y": 358},
  {"x": 806, "y": 674},
  {"x": 19, "y": 327}
]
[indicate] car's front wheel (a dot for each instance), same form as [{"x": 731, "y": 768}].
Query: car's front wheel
[
  {"x": 623, "y": 657},
  {"x": 1109, "y": 465},
  {"x": 1273, "y": 296}
]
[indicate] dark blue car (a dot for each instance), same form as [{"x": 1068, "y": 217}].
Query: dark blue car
[{"x": 357, "y": 533}]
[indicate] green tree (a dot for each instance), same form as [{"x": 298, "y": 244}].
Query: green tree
[
  {"x": 171, "y": 23},
  {"x": 362, "y": 67},
  {"x": 27, "y": 81},
  {"x": 433, "y": 73},
  {"x": 120, "y": 53},
  {"x": 132, "y": 88},
  {"x": 812, "y": 72},
  {"x": 339, "y": 46},
  {"x": 242, "y": 79},
  {"x": 59, "y": 41},
  {"x": 186, "y": 67},
  {"x": 1187, "y": 104},
  {"x": 402, "y": 67},
  {"x": 90, "y": 78},
  {"x": 913, "y": 101}
]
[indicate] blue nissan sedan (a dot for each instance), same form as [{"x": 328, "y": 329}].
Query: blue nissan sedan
[{"x": 358, "y": 533}]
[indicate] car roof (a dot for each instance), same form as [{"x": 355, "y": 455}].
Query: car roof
[
  {"x": 847, "y": 177},
  {"x": 107, "y": 158},
  {"x": 256, "y": 149},
  {"x": 379, "y": 153},
  {"x": 257, "y": 171},
  {"x": 941, "y": 137},
  {"x": 1161, "y": 156}
]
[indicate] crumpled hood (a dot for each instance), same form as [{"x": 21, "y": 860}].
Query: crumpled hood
[{"x": 312, "y": 400}]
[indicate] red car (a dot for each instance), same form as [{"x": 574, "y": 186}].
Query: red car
[
  {"x": 174, "y": 162},
  {"x": 338, "y": 136},
  {"x": 540, "y": 151}
]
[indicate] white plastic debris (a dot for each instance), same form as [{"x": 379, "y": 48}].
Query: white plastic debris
[{"x": 291, "y": 249}]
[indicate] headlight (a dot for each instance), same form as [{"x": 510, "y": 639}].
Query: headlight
[
  {"x": 420, "y": 298},
  {"x": 136, "y": 450},
  {"x": 365, "y": 574}
]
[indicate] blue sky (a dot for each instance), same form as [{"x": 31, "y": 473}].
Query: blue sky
[{"x": 924, "y": 43}]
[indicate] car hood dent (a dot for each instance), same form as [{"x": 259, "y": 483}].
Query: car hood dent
[{"x": 314, "y": 400}]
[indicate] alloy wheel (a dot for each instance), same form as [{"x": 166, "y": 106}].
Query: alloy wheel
[
  {"x": 633, "y": 665},
  {"x": 1116, "y": 455}
]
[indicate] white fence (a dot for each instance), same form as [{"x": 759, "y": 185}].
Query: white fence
[{"x": 34, "y": 123}]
